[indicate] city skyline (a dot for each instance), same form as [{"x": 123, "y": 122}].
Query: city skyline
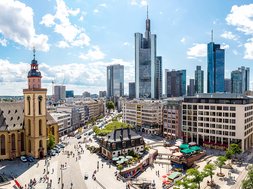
[{"x": 98, "y": 33}]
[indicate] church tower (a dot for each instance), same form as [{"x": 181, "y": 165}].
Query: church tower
[{"x": 35, "y": 113}]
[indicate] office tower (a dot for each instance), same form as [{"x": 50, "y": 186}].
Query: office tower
[
  {"x": 59, "y": 92},
  {"x": 70, "y": 94},
  {"x": 131, "y": 90},
  {"x": 102, "y": 94},
  {"x": 191, "y": 88},
  {"x": 175, "y": 83},
  {"x": 199, "y": 80},
  {"x": 240, "y": 80},
  {"x": 148, "y": 75},
  {"x": 86, "y": 94},
  {"x": 115, "y": 80},
  {"x": 227, "y": 85},
  {"x": 215, "y": 68}
]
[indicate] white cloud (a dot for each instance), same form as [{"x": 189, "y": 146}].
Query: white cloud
[
  {"x": 80, "y": 77},
  {"x": 103, "y": 5},
  {"x": 16, "y": 24},
  {"x": 198, "y": 50},
  {"x": 249, "y": 49},
  {"x": 241, "y": 17},
  {"x": 126, "y": 43},
  {"x": 62, "y": 44},
  {"x": 229, "y": 35},
  {"x": 95, "y": 10},
  {"x": 235, "y": 52},
  {"x": 224, "y": 46},
  {"x": 183, "y": 40},
  {"x": 3, "y": 42},
  {"x": 73, "y": 35},
  {"x": 139, "y": 2},
  {"x": 81, "y": 18},
  {"x": 93, "y": 54}
]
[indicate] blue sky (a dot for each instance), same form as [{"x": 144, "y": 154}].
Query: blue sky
[{"x": 77, "y": 39}]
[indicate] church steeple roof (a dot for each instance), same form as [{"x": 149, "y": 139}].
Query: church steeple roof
[{"x": 34, "y": 72}]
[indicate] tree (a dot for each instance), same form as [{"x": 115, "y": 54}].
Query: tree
[
  {"x": 221, "y": 160},
  {"x": 193, "y": 179},
  {"x": 208, "y": 170},
  {"x": 96, "y": 129},
  {"x": 235, "y": 149},
  {"x": 51, "y": 142},
  {"x": 247, "y": 183},
  {"x": 120, "y": 168},
  {"x": 110, "y": 105}
]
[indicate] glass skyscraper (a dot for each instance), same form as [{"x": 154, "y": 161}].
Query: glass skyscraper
[
  {"x": 199, "y": 80},
  {"x": 215, "y": 68},
  {"x": 240, "y": 80},
  {"x": 131, "y": 90},
  {"x": 115, "y": 80},
  {"x": 175, "y": 83},
  {"x": 148, "y": 67}
]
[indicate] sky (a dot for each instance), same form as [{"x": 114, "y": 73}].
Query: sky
[{"x": 76, "y": 39}]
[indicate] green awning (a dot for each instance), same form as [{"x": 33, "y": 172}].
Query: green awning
[
  {"x": 174, "y": 175},
  {"x": 195, "y": 148},
  {"x": 184, "y": 146},
  {"x": 187, "y": 151},
  {"x": 115, "y": 159},
  {"x": 129, "y": 157}
]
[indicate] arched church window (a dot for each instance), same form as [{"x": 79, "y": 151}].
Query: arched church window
[
  {"x": 13, "y": 142},
  {"x": 2, "y": 144},
  {"x": 40, "y": 127},
  {"x": 22, "y": 142},
  {"x": 29, "y": 104},
  {"x": 40, "y": 101}
]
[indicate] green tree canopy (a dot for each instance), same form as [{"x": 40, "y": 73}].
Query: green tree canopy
[
  {"x": 209, "y": 170},
  {"x": 51, "y": 142},
  {"x": 221, "y": 160},
  {"x": 110, "y": 105},
  {"x": 235, "y": 149},
  {"x": 247, "y": 183}
]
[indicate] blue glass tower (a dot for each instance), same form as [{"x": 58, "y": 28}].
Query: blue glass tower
[{"x": 215, "y": 68}]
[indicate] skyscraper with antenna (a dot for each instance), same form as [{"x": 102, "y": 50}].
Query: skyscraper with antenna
[
  {"x": 148, "y": 66},
  {"x": 215, "y": 67}
]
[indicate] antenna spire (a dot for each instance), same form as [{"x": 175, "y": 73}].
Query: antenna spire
[
  {"x": 211, "y": 35},
  {"x": 34, "y": 53},
  {"x": 147, "y": 11}
]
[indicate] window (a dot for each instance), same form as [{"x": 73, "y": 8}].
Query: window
[
  {"x": 41, "y": 144},
  {"x": 123, "y": 144},
  {"x": 132, "y": 142},
  {"x": 22, "y": 142},
  {"x": 40, "y": 127},
  {"x": 113, "y": 146},
  {"x": 29, "y": 127},
  {"x": 2, "y": 145},
  {"x": 232, "y": 108},
  {"x": 13, "y": 142},
  {"x": 29, "y": 146},
  {"x": 40, "y": 101},
  {"x": 29, "y": 105}
]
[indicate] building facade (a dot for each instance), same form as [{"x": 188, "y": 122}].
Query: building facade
[
  {"x": 70, "y": 94},
  {"x": 199, "y": 80},
  {"x": 175, "y": 83},
  {"x": 86, "y": 94},
  {"x": 227, "y": 85},
  {"x": 191, "y": 88},
  {"x": 131, "y": 90},
  {"x": 172, "y": 118},
  {"x": 240, "y": 80},
  {"x": 215, "y": 68},
  {"x": 218, "y": 120},
  {"x": 59, "y": 92},
  {"x": 102, "y": 94},
  {"x": 146, "y": 115},
  {"x": 115, "y": 80},
  {"x": 148, "y": 67}
]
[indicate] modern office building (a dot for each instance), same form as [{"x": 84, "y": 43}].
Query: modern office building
[
  {"x": 215, "y": 68},
  {"x": 70, "y": 94},
  {"x": 240, "y": 80},
  {"x": 199, "y": 80},
  {"x": 172, "y": 118},
  {"x": 146, "y": 115},
  {"x": 218, "y": 120},
  {"x": 86, "y": 94},
  {"x": 115, "y": 80},
  {"x": 148, "y": 67},
  {"x": 175, "y": 83},
  {"x": 102, "y": 94},
  {"x": 59, "y": 92},
  {"x": 191, "y": 88},
  {"x": 131, "y": 90},
  {"x": 227, "y": 85}
]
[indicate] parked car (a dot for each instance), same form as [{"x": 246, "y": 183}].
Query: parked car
[
  {"x": 30, "y": 158},
  {"x": 86, "y": 176},
  {"x": 61, "y": 145},
  {"x": 23, "y": 158},
  {"x": 78, "y": 136},
  {"x": 51, "y": 153},
  {"x": 57, "y": 150}
]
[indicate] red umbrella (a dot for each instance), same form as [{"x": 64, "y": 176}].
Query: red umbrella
[
  {"x": 17, "y": 183},
  {"x": 164, "y": 181},
  {"x": 164, "y": 176}
]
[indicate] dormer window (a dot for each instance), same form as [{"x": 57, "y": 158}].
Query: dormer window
[
  {"x": 113, "y": 146},
  {"x": 124, "y": 144},
  {"x": 133, "y": 142}
]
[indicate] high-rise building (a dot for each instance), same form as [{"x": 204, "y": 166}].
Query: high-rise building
[
  {"x": 102, "y": 94},
  {"x": 86, "y": 94},
  {"x": 131, "y": 90},
  {"x": 240, "y": 80},
  {"x": 115, "y": 80},
  {"x": 70, "y": 94},
  {"x": 175, "y": 83},
  {"x": 199, "y": 80},
  {"x": 227, "y": 85},
  {"x": 148, "y": 67},
  {"x": 191, "y": 88},
  {"x": 215, "y": 69},
  {"x": 59, "y": 92}
]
